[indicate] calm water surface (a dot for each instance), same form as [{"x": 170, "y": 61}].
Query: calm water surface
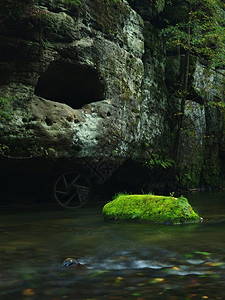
[{"x": 121, "y": 261}]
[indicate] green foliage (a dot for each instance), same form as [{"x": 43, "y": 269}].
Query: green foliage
[
  {"x": 3, "y": 148},
  {"x": 119, "y": 194},
  {"x": 156, "y": 160},
  {"x": 219, "y": 104},
  {"x": 6, "y": 113},
  {"x": 188, "y": 176},
  {"x": 50, "y": 152},
  {"x": 5, "y": 109},
  {"x": 201, "y": 31}
]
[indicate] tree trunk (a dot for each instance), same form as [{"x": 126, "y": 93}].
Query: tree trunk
[{"x": 184, "y": 94}]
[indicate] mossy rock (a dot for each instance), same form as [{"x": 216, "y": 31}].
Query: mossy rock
[{"x": 150, "y": 208}]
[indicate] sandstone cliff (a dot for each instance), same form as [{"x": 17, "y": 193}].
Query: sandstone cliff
[{"x": 95, "y": 80}]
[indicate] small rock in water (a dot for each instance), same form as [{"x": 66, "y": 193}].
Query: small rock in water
[
  {"x": 70, "y": 262},
  {"x": 196, "y": 261}
]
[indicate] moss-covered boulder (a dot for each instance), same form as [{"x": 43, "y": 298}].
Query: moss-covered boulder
[{"x": 150, "y": 208}]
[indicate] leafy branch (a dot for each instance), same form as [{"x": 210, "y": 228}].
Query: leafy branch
[
  {"x": 206, "y": 39},
  {"x": 156, "y": 160}
]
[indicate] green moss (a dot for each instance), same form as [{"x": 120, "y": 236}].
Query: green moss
[
  {"x": 107, "y": 15},
  {"x": 6, "y": 110},
  {"x": 150, "y": 208}
]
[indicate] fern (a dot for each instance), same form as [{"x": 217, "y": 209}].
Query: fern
[{"x": 156, "y": 160}]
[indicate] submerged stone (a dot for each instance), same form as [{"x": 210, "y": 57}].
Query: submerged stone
[
  {"x": 150, "y": 208},
  {"x": 70, "y": 262}
]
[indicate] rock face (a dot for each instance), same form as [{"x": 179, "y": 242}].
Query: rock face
[
  {"x": 150, "y": 208},
  {"x": 74, "y": 78},
  {"x": 94, "y": 80}
]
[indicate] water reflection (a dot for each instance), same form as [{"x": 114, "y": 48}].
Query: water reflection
[{"x": 121, "y": 261}]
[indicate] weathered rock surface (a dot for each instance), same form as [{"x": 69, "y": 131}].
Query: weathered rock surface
[
  {"x": 75, "y": 83},
  {"x": 96, "y": 80}
]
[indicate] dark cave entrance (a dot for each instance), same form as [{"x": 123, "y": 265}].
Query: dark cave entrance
[{"x": 72, "y": 84}]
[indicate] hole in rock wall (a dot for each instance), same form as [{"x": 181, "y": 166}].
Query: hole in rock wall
[{"x": 72, "y": 84}]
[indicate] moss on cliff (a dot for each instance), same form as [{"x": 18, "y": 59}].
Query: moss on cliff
[
  {"x": 150, "y": 208},
  {"x": 108, "y": 15}
]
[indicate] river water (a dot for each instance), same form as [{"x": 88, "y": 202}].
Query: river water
[{"x": 120, "y": 261}]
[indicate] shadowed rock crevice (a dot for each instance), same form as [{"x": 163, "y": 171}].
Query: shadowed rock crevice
[{"x": 72, "y": 84}]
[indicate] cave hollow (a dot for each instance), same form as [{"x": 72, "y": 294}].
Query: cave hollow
[{"x": 72, "y": 84}]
